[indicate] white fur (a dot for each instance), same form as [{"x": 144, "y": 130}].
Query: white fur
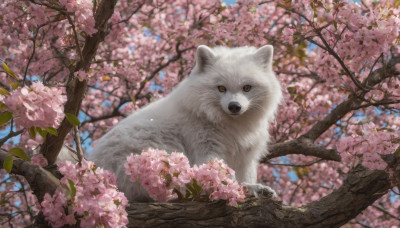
[{"x": 195, "y": 119}]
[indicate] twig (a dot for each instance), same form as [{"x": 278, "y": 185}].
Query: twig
[
  {"x": 329, "y": 49},
  {"x": 10, "y": 135},
  {"x": 77, "y": 138},
  {"x": 294, "y": 165},
  {"x": 294, "y": 192},
  {"x": 76, "y": 89},
  {"x": 126, "y": 20},
  {"x": 75, "y": 37},
  {"x": 385, "y": 212},
  {"x": 154, "y": 73},
  {"x": 23, "y": 190},
  {"x": 33, "y": 53}
]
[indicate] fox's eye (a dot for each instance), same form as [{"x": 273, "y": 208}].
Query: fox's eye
[
  {"x": 221, "y": 89},
  {"x": 247, "y": 88}
]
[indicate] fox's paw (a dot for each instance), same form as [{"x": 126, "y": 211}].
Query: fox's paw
[{"x": 259, "y": 189}]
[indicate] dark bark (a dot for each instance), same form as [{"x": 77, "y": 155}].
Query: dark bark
[
  {"x": 76, "y": 89},
  {"x": 40, "y": 180},
  {"x": 303, "y": 146},
  {"x": 355, "y": 100},
  {"x": 359, "y": 190}
]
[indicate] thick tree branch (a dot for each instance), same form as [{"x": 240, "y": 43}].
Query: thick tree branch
[
  {"x": 354, "y": 101},
  {"x": 40, "y": 180},
  {"x": 76, "y": 89},
  {"x": 359, "y": 190},
  {"x": 303, "y": 146}
]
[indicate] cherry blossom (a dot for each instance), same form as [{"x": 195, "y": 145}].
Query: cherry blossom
[
  {"x": 90, "y": 196},
  {"x": 36, "y": 106},
  {"x": 325, "y": 54},
  {"x": 162, "y": 175}
]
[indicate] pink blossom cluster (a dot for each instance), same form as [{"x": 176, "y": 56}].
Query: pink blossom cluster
[
  {"x": 219, "y": 181},
  {"x": 142, "y": 44},
  {"x": 161, "y": 174},
  {"x": 83, "y": 14},
  {"x": 93, "y": 201},
  {"x": 366, "y": 145},
  {"x": 36, "y": 105},
  {"x": 366, "y": 30}
]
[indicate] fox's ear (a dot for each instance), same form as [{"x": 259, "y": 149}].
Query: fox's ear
[
  {"x": 264, "y": 56},
  {"x": 204, "y": 56}
]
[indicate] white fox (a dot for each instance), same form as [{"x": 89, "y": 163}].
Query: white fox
[{"x": 222, "y": 110}]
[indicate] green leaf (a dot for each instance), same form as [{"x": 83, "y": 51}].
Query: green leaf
[
  {"x": 224, "y": 183},
  {"x": 197, "y": 186},
  {"x": 189, "y": 187},
  {"x": 5, "y": 117},
  {"x": 4, "y": 91},
  {"x": 19, "y": 153},
  {"x": 42, "y": 133},
  {"x": 32, "y": 132},
  {"x": 72, "y": 187},
  {"x": 335, "y": 25},
  {"x": 117, "y": 202},
  {"x": 14, "y": 85},
  {"x": 168, "y": 179},
  {"x": 3, "y": 198},
  {"x": 52, "y": 131},
  {"x": 166, "y": 164},
  {"x": 133, "y": 99},
  {"x": 67, "y": 190},
  {"x": 180, "y": 195},
  {"x": 193, "y": 189},
  {"x": 319, "y": 3},
  {"x": 2, "y": 106},
  {"x": 190, "y": 192},
  {"x": 8, "y": 163},
  {"x": 397, "y": 151},
  {"x": 314, "y": 8},
  {"x": 396, "y": 3},
  {"x": 9, "y": 72},
  {"x": 72, "y": 119}
]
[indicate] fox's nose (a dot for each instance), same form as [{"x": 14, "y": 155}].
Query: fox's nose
[{"x": 234, "y": 107}]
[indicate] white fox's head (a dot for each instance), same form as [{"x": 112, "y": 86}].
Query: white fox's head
[{"x": 233, "y": 83}]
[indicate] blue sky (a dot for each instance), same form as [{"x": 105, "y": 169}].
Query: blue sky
[{"x": 229, "y": 2}]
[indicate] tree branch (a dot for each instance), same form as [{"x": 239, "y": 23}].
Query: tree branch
[
  {"x": 40, "y": 180},
  {"x": 10, "y": 135},
  {"x": 178, "y": 55},
  {"x": 359, "y": 190},
  {"x": 76, "y": 89},
  {"x": 353, "y": 102},
  {"x": 303, "y": 146}
]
